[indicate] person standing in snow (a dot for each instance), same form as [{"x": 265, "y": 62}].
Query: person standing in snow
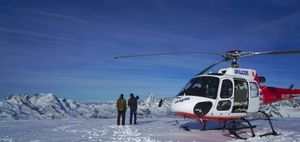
[
  {"x": 122, "y": 107},
  {"x": 132, "y": 103}
]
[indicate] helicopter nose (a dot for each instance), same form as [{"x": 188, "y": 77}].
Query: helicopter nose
[{"x": 202, "y": 108}]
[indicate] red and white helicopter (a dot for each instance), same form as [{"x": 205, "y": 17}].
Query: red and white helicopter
[{"x": 230, "y": 95}]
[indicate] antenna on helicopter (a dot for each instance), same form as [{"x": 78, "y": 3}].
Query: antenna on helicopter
[{"x": 291, "y": 87}]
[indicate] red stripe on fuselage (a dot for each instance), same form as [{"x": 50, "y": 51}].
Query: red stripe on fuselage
[{"x": 215, "y": 118}]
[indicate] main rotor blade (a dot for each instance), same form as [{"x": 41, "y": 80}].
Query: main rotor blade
[
  {"x": 165, "y": 53},
  {"x": 211, "y": 66},
  {"x": 278, "y": 52}
]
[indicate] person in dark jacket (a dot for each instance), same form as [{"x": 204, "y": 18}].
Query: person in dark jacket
[
  {"x": 122, "y": 107},
  {"x": 132, "y": 103}
]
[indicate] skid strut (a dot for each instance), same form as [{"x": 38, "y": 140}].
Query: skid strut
[
  {"x": 271, "y": 125},
  {"x": 235, "y": 127}
]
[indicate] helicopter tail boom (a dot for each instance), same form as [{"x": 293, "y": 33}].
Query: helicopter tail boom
[{"x": 272, "y": 94}]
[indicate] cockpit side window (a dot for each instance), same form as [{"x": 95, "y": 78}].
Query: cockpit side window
[
  {"x": 254, "y": 91},
  {"x": 227, "y": 89}
]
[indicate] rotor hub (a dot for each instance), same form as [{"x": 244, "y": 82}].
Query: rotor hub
[{"x": 233, "y": 56}]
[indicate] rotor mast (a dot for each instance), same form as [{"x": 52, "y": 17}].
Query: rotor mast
[{"x": 233, "y": 56}]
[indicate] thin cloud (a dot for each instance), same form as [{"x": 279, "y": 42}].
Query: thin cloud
[
  {"x": 33, "y": 33},
  {"x": 289, "y": 19},
  {"x": 60, "y": 16},
  {"x": 182, "y": 37},
  {"x": 278, "y": 24}
]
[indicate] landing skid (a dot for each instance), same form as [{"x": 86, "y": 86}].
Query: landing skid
[
  {"x": 241, "y": 129},
  {"x": 186, "y": 128},
  {"x": 236, "y": 126}
]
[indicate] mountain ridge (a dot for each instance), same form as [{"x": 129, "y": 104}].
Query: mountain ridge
[{"x": 48, "y": 106}]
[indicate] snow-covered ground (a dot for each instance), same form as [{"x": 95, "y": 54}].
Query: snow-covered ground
[{"x": 147, "y": 130}]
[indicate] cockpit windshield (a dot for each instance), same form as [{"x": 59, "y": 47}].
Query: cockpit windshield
[{"x": 205, "y": 86}]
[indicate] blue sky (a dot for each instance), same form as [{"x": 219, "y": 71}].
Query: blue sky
[{"x": 67, "y": 47}]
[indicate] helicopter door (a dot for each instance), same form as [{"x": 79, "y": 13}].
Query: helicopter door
[
  {"x": 225, "y": 99},
  {"x": 254, "y": 100},
  {"x": 241, "y": 94}
]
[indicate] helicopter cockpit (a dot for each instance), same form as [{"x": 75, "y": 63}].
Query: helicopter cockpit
[
  {"x": 229, "y": 93},
  {"x": 206, "y": 86}
]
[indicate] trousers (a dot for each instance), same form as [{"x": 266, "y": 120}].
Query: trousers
[
  {"x": 132, "y": 114},
  {"x": 121, "y": 114}
]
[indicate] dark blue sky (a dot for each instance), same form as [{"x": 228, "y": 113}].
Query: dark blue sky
[{"x": 67, "y": 47}]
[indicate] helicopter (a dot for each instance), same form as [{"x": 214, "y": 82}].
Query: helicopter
[{"x": 231, "y": 95}]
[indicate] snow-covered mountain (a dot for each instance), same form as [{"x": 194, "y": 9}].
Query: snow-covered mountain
[
  {"x": 48, "y": 106},
  {"x": 286, "y": 108}
]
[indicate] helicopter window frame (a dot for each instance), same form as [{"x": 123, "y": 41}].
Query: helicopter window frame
[
  {"x": 254, "y": 87},
  {"x": 229, "y": 89}
]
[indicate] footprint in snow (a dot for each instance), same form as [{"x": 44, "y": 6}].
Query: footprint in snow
[{"x": 127, "y": 134}]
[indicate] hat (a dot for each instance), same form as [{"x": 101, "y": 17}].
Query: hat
[{"x": 131, "y": 94}]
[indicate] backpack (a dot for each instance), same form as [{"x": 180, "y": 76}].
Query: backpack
[{"x": 121, "y": 105}]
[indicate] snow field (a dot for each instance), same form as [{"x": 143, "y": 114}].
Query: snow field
[
  {"x": 6, "y": 139},
  {"x": 147, "y": 130},
  {"x": 116, "y": 133}
]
